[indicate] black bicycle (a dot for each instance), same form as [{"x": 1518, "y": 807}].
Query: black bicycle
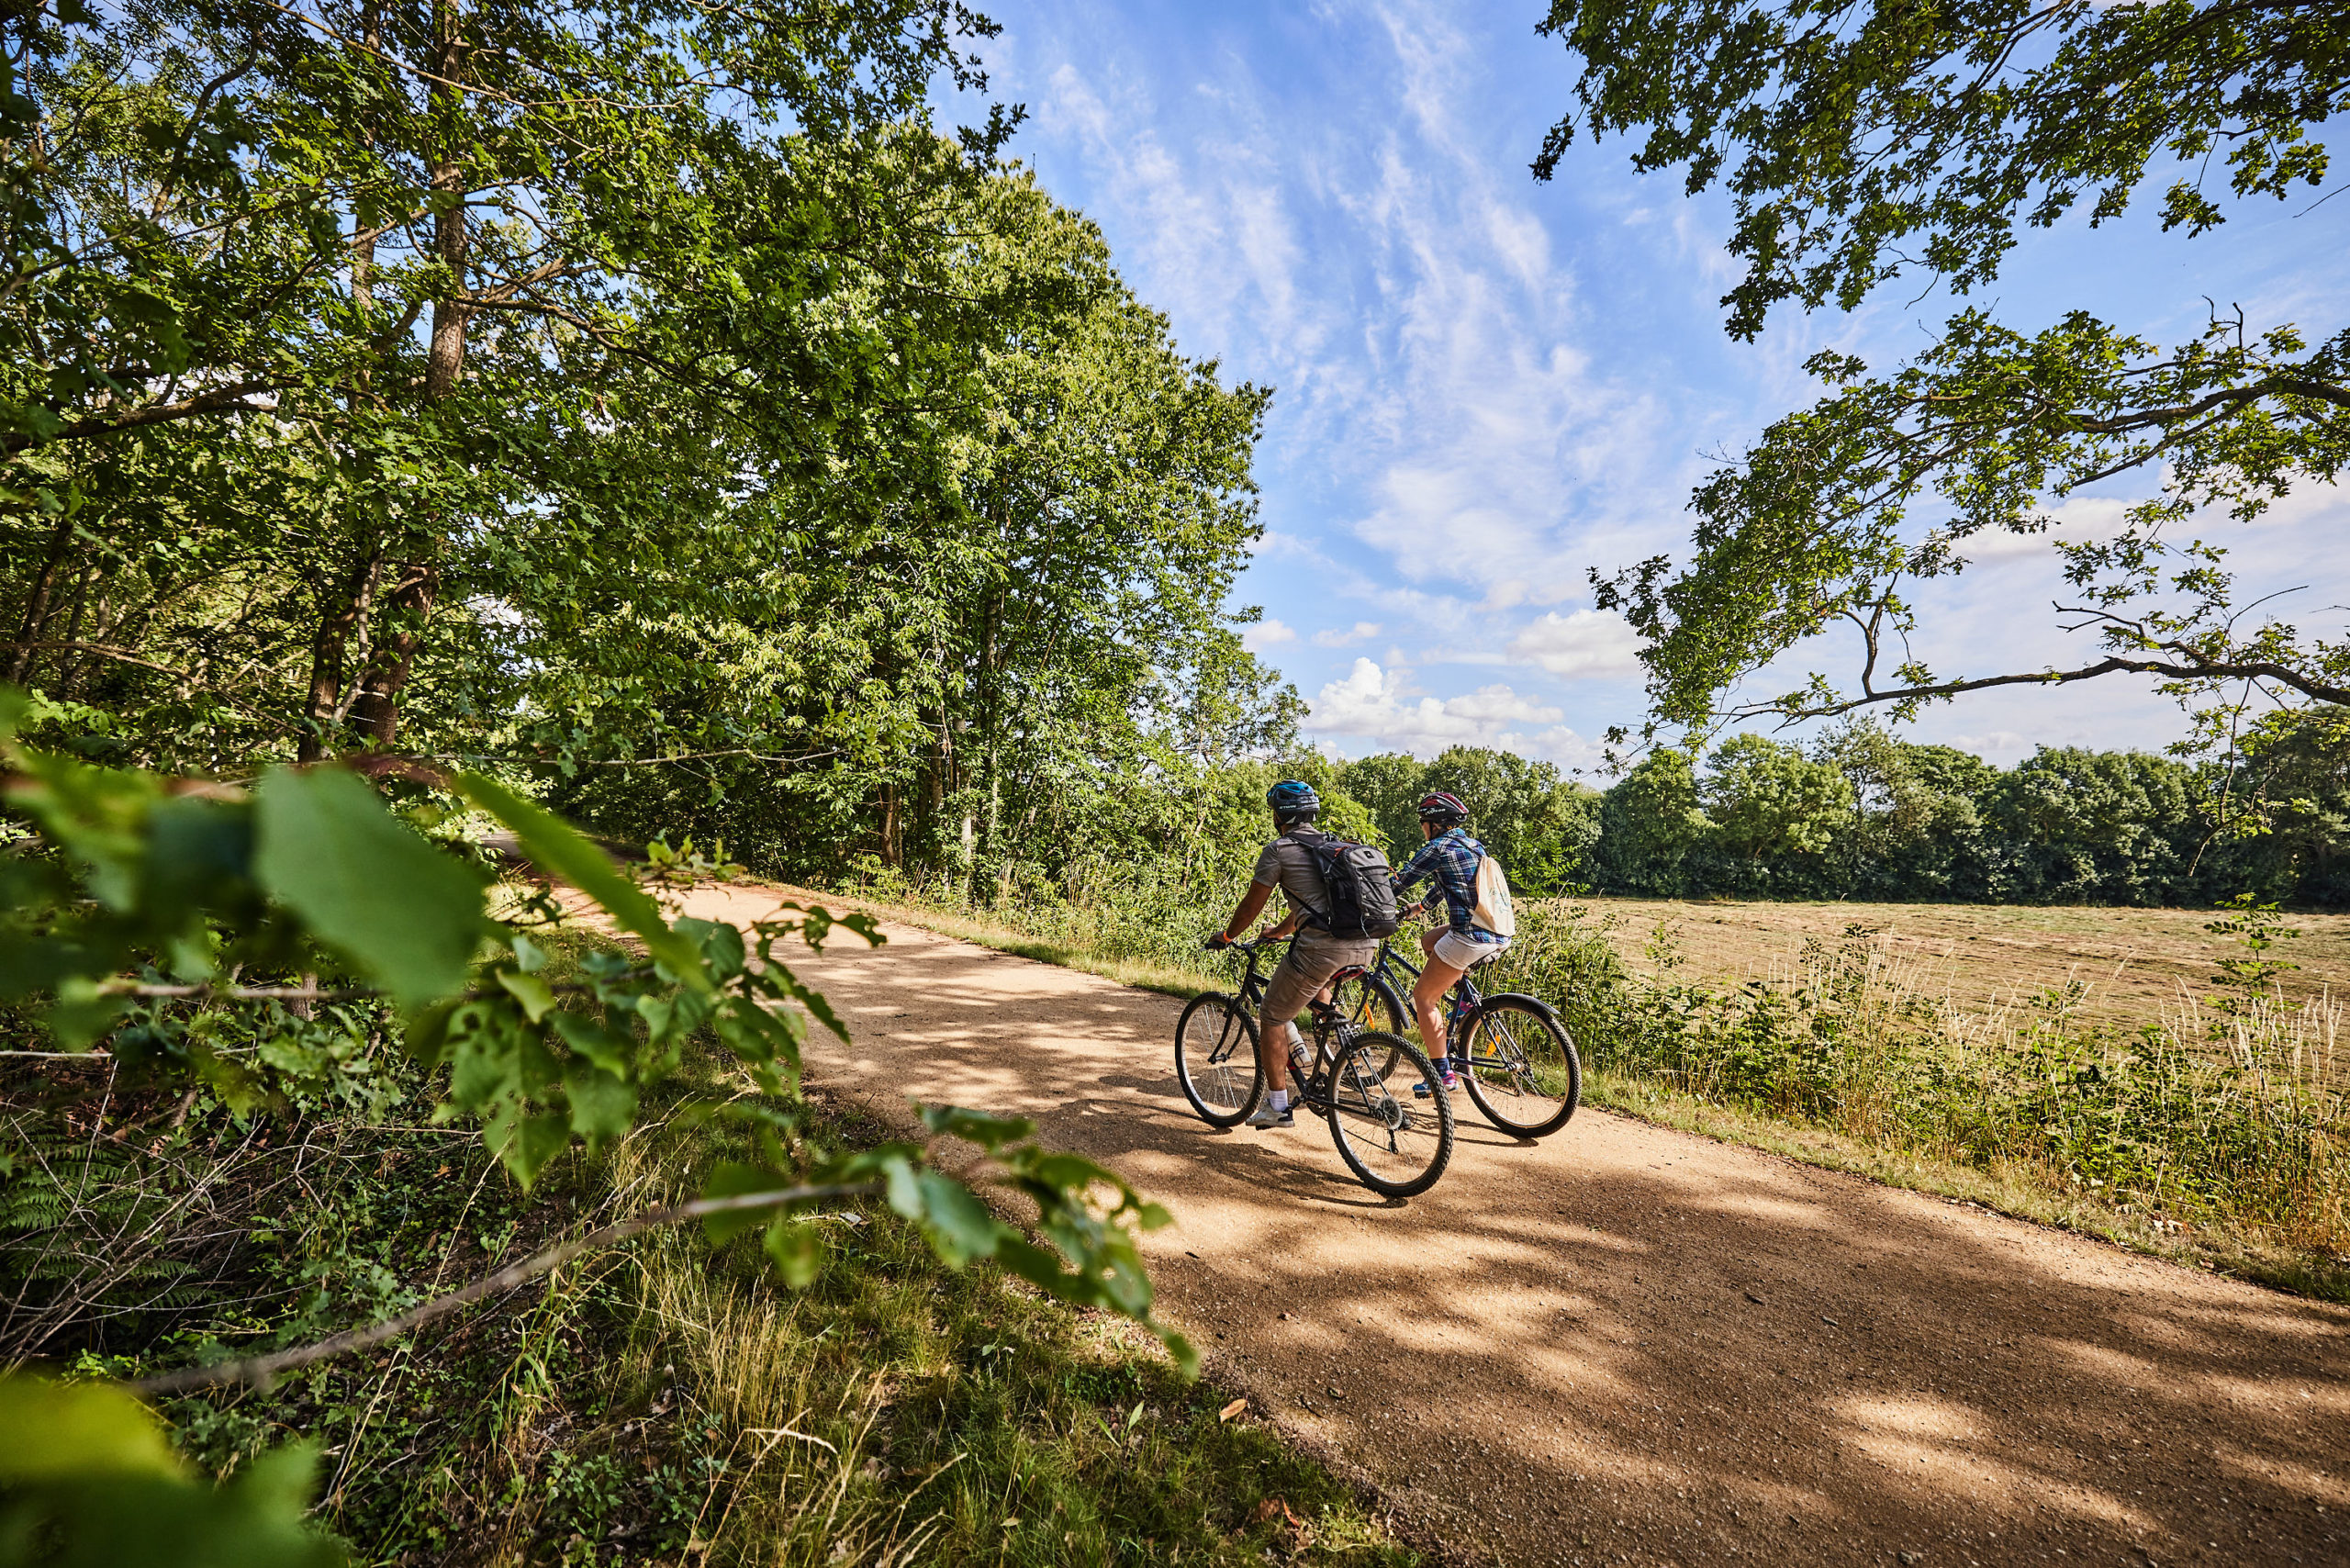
[
  {"x": 1388, "y": 1112},
  {"x": 1522, "y": 1068}
]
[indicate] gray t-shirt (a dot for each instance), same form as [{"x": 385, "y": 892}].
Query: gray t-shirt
[{"x": 1290, "y": 866}]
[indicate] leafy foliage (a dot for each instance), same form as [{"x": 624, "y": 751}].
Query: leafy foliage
[
  {"x": 1867, "y": 816},
  {"x": 2229, "y": 1116},
  {"x": 1859, "y": 139},
  {"x": 309, "y": 875}
]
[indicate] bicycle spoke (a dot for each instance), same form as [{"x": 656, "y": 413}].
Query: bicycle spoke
[
  {"x": 1220, "y": 1081},
  {"x": 1396, "y": 1142},
  {"x": 1523, "y": 1072}
]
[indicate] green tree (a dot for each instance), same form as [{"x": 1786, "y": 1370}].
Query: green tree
[
  {"x": 365, "y": 361},
  {"x": 1917, "y": 830},
  {"x": 1864, "y": 141},
  {"x": 1391, "y": 785},
  {"x": 1769, "y": 802},
  {"x": 2281, "y": 810},
  {"x": 1649, "y": 823},
  {"x": 2096, "y": 827}
]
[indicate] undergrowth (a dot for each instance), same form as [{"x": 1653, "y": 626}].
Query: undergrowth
[{"x": 659, "y": 1402}]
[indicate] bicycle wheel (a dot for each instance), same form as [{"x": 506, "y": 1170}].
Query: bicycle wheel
[
  {"x": 1215, "y": 1058},
  {"x": 1522, "y": 1069},
  {"x": 1367, "y": 1001},
  {"x": 1396, "y": 1143}
]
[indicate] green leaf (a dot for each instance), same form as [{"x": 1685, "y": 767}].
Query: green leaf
[
  {"x": 991, "y": 1133},
  {"x": 797, "y": 1249},
  {"x": 605, "y": 1048},
  {"x": 732, "y": 1180},
  {"x": 535, "y": 995},
  {"x": 52, "y": 1431},
  {"x": 602, "y": 1106},
  {"x": 559, "y": 849},
  {"x": 401, "y": 913},
  {"x": 960, "y": 1226},
  {"x": 533, "y": 1142},
  {"x": 1187, "y": 1357}
]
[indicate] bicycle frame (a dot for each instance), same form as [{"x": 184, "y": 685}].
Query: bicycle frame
[
  {"x": 1465, "y": 999},
  {"x": 1333, "y": 1032}
]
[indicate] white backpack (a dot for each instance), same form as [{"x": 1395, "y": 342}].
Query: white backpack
[{"x": 1493, "y": 910}]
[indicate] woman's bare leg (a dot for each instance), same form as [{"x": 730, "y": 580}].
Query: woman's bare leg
[{"x": 1428, "y": 996}]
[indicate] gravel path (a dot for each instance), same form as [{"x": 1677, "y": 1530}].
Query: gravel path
[{"x": 1625, "y": 1344}]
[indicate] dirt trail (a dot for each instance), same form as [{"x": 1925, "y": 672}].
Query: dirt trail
[{"x": 1629, "y": 1345}]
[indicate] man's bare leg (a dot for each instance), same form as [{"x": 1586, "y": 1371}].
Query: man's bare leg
[{"x": 1272, "y": 1053}]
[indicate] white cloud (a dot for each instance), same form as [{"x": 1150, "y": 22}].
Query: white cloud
[
  {"x": 1997, "y": 745},
  {"x": 1266, "y": 634},
  {"x": 1588, "y": 644},
  {"x": 1363, "y": 632},
  {"x": 1384, "y": 707}
]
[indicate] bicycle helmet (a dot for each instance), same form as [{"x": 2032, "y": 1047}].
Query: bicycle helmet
[
  {"x": 1443, "y": 808},
  {"x": 1292, "y": 801}
]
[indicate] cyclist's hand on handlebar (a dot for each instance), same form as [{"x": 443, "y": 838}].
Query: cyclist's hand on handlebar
[{"x": 1218, "y": 943}]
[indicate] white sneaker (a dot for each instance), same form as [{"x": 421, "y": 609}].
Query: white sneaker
[{"x": 1264, "y": 1116}]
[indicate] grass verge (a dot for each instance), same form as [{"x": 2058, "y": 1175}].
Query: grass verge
[{"x": 662, "y": 1402}]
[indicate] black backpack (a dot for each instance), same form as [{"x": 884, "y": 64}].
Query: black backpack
[{"x": 1355, "y": 879}]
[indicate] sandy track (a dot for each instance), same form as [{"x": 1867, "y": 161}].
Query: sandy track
[{"x": 1625, "y": 1344}]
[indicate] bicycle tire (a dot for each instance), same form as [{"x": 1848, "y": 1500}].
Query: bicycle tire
[
  {"x": 1207, "y": 1061},
  {"x": 1369, "y": 1001},
  {"x": 1530, "y": 1082},
  {"x": 1397, "y": 1145}
]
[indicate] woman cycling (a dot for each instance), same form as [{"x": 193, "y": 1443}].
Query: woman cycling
[{"x": 1451, "y": 856}]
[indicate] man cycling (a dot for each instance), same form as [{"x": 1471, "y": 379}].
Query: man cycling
[
  {"x": 1316, "y": 955},
  {"x": 1451, "y": 855}
]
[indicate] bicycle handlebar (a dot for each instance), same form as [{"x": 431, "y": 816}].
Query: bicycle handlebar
[{"x": 1251, "y": 946}]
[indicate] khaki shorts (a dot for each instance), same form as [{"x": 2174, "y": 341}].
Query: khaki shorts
[{"x": 1312, "y": 958}]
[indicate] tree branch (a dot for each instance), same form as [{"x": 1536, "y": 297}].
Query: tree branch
[
  {"x": 259, "y": 1370},
  {"x": 220, "y": 399},
  {"x": 2258, "y": 670}
]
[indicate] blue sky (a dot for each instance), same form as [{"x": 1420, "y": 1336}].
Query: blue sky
[{"x": 1486, "y": 386}]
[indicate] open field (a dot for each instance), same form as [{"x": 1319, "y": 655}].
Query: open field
[{"x": 2134, "y": 962}]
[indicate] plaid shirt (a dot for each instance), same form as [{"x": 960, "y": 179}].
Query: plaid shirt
[{"x": 1452, "y": 858}]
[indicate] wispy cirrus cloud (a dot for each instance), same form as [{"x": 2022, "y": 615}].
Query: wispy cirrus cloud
[{"x": 1487, "y": 387}]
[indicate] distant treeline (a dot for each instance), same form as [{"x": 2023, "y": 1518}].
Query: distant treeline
[{"x": 1863, "y": 815}]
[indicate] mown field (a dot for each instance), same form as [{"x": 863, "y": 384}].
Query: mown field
[{"x": 2137, "y": 965}]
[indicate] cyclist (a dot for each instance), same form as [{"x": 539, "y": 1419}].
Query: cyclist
[
  {"x": 1312, "y": 958},
  {"x": 1451, "y": 856}
]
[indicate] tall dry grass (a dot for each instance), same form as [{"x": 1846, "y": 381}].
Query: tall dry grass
[{"x": 2231, "y": 1110}]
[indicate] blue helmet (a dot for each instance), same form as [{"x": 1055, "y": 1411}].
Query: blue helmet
[{"x": 1290, "y": 799}]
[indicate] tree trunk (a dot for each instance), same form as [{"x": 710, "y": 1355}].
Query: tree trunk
[
  {"x": 21, "y": 658},
  {"x": 377, "y": 712},
  {"x": 409, "y": 604},
  {"x": 444, "y": 362},
  {"x": 326, "y": 706},
  {"x": 339, "y": 618}
]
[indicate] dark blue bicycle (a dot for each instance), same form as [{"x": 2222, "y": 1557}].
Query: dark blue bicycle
[{"x": 1521, "y": 1066}]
